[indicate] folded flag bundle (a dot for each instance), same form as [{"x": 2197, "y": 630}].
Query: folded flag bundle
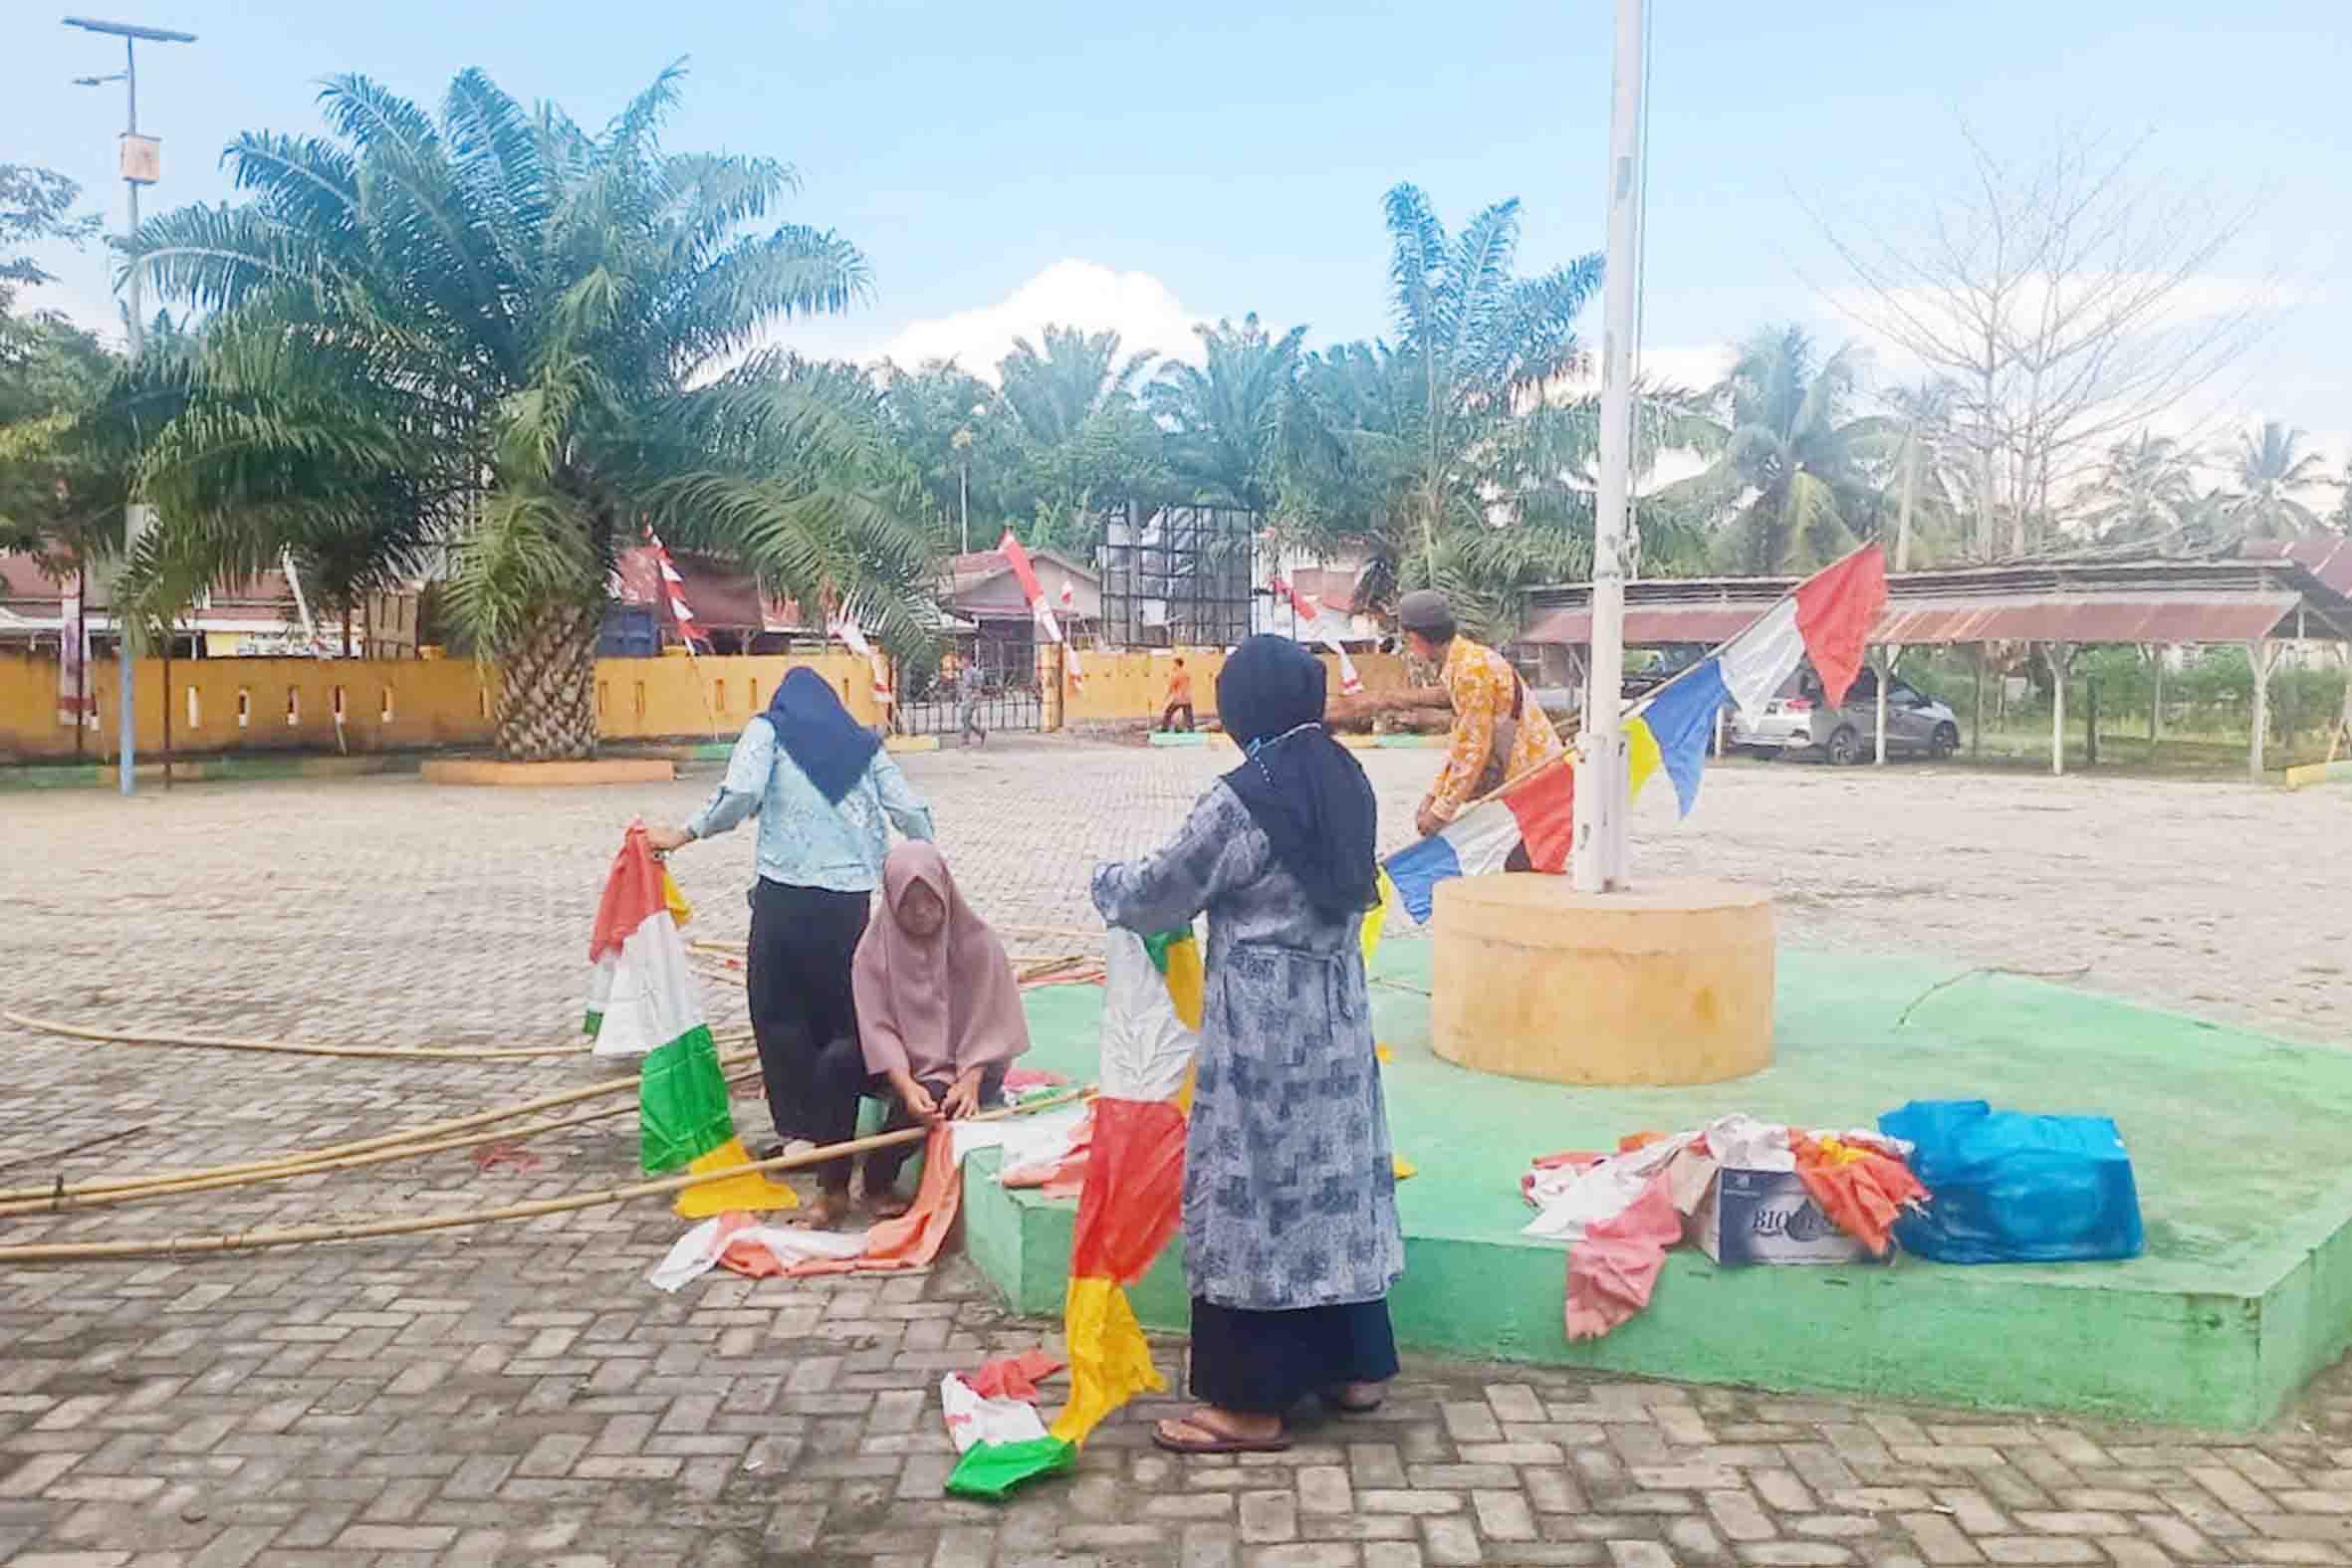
[
  {"x": 1828, "y": 620},
  {"x": 1128, "y": 1208},
  {"x": 1537, "y": 808},
  {"x": 642, "y": 1002}
]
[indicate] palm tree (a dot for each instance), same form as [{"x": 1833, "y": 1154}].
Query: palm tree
[
  {"x": 1398, "y": 453},
  {"x": 1083, "y": 437},
  {"x": 2144, "y": 491},
  {"x": 2274, "y": 475},
  {"x": 1790, "y": 481},
  {"x": 1078, "y": 376},
  {"x": 1222, "y": 417},
  {"x": 496, "y": 335}
]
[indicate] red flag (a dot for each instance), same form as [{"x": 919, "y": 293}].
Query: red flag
[{"x": 1835, "y": 610}]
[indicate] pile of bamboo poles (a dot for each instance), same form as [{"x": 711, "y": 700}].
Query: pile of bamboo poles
[
  {"x": 463, "y": 1132},
  {"x": 292, "y": 1048},
  {"x": 294, "y": 1236}
]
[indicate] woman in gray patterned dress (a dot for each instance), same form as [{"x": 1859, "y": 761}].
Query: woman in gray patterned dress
[{"x": 1291, "y": 1235}]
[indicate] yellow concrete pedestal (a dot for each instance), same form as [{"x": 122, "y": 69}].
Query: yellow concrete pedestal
[{"x": 1671, "y": 983}]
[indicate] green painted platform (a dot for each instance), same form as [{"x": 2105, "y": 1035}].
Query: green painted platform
[{"x": 2236, "y": 1142}]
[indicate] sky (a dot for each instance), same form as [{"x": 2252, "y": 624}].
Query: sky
[{"x": 1145, "y": 169}]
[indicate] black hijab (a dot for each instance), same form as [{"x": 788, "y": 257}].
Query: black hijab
[
  {"x": 1302, "y": 787},
  {"x": 818, "y": 734}
]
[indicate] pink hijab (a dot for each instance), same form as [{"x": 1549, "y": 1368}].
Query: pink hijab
[{"x": 939, "y": 1005}]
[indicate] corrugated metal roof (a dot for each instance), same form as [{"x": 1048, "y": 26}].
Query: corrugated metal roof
[
  {"x": 1651, "y": 623},
  {"x": 2087, "y": 617},
  {"x": 2215, "y": 599}
]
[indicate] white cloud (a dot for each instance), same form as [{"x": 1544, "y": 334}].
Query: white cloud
[{"x": 1143, "y": 310}]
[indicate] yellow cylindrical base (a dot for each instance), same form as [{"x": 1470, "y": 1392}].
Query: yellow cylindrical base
[{"x": 1671, "y": 983}]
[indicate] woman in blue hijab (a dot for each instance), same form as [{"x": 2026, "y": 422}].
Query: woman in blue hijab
[{"x": 826, "y": 795}]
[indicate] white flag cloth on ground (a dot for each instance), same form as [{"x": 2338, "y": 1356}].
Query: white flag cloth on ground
[
  {"x": 698, "y": 1252},
  {"x": 973, "y": 1418}
]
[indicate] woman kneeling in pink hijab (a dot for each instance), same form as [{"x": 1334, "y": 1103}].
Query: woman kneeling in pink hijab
[{"x": 938, "y": 1020}]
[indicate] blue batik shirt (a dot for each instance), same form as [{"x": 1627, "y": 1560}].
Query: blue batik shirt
[{"x": 805, "y": 840}]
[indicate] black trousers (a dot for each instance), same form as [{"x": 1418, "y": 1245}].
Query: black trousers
[
  {"x": 1264, "y": 1363},
  {"x": 1169, "y": 713},
  {"x": 842, "y": 1081},
  {"x": 803, "y": 940}
]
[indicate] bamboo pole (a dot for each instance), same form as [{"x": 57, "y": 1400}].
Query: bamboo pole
[
  {"x": 291, "y": 1047},
  {"x": 425, "y": 1131},
  {"x": 173, "y": 1187},
  {"x": 296, "y": 1236}
]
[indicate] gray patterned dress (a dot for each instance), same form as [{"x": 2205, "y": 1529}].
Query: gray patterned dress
[{"x": 1290, "y": 1192}]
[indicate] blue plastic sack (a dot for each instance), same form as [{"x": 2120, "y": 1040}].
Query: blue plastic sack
[{"x": 2005, "y": 1187}]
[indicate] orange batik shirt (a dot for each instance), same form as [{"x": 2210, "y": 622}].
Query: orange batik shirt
[{"x": 1481, "y": 685}]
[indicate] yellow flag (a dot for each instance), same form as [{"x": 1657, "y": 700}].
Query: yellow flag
[
  {"x": 751, "y": 1190},
  {"x": 1642, "y": 756},
  {"x": 1110, "y": 1363}
]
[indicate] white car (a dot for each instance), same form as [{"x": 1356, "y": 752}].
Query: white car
[{"x": 1797, "y": 721}]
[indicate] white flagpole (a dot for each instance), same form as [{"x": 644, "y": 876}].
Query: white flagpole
[{"x": 1599, "y": 856}]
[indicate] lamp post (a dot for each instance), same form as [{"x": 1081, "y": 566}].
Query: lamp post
[
  {"x": 1601, "y": 804},
  {"x": 140, "y": 161}
]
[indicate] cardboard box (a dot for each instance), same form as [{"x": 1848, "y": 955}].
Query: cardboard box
[{"x": 1766, "y": 1217}]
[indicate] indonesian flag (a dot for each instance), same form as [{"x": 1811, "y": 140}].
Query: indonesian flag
[
  {"x": 1128, "y": 1208},
  {"x": 1827, "y": 621},
  {"x": 1070, "y": 596},
  {"x": 1313, "y": 624},
  {"x": 643, "y": 1002}
]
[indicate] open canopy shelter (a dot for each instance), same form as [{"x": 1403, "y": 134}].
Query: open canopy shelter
[{"x": 2261, "y": 602}]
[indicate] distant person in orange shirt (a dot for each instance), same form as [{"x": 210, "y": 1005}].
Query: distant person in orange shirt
[{"x": 1179, "y": 698}]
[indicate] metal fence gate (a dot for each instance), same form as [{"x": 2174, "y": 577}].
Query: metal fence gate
[{"x": 1009, "y": 699}]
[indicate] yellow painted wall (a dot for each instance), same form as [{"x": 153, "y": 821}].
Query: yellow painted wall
[
  {"x": 401, "y": 704},
  {"x": 255, "y": 705}
]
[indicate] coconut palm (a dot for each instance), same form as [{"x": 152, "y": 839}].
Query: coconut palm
[
  {"x": 2273, "y": 475},
  {"x": 2144, "y": 490},
  {"x": 493, "y": 333},
  {"x": 1223, "y": 416},
  {"x": 1791, "y": 484}
]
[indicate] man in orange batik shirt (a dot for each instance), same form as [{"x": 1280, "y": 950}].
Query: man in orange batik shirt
[{"x": 1500, "y": 730}]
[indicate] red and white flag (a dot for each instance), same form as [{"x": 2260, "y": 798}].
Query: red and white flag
[
  {"x": 845, "y": 627},
  {"x": 74, "y": 704},
  {"x": 1312, "y": 623},
  {"x": 673, "y": 588},
  {"x": 1017, "y": 560}
]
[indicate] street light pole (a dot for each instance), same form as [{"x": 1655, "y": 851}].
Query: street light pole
[
  {"x": 1601, "y": 803},
  {"x": 139, "y": 166}
]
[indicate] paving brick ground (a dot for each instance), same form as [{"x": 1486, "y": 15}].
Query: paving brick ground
[{"x": 517, "y": 1394}]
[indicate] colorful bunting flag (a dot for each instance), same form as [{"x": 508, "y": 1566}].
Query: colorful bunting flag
[
  {"x": 1672, "y": 731},
  {"x": 1827, "y": 621},
  {"x": 643, "y": 1001},
  {"x": 1538, "y": 809},
  {"x": 1129, "y": 1206}
]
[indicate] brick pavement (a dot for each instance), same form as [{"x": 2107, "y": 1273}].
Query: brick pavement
[{"x": 518, "y": 1394}]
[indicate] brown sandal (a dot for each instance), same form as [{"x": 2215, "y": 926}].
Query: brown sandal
[{"x": 1219, "y": 1442}]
